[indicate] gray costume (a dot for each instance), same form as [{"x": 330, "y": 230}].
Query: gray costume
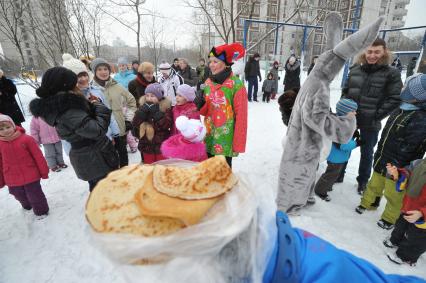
[{"x": 311, "y": 125}]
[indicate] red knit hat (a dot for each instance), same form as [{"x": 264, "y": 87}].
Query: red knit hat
[{"x": 228, "y": 52}]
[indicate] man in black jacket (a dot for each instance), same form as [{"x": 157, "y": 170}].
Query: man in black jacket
[
  {"x": 375, "y": 86},
  {"x": 8, "y": 104},
  {"x": 252, "y": 71}
]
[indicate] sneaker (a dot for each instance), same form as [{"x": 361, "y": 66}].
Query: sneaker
[
  {"x": 387, "y": 242},
  {"x": 311, "y": 200},
  {"x": 384, "y": 224},
  {"x": 63, "y": 166},
  {"x": 396, "y": 259},
  {"x": 56, "y": 169},
  {"x": 360, "y": 209},
  {"x": 325, "y": 197}
]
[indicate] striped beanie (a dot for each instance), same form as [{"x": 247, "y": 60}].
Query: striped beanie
[
  {"x": 414, "y": 88},
  {"x": 345, "y": 105}
]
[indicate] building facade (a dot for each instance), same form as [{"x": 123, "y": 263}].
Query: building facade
[{"x": 288, "y": 40}]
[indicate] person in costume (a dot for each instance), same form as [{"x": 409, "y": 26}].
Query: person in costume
[{"x": 225, "y": 108}]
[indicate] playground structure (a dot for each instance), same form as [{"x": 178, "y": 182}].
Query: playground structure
[{"x": 306, "y": 28}]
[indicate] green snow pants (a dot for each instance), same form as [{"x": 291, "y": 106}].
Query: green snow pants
[{"x": 373, "y": 193}]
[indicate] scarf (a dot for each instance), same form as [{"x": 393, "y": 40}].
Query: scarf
[
  {"x": 221, "y": 77},
  {"x": 141, "y": 80},
  {"x": 417, "y": 180},
  {"x": 14, "y": 136},
  {"x": 408, "y": 106},
  {"x": 101, "y": 82}
]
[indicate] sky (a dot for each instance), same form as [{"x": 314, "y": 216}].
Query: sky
[{"x": 179, "y": 31}]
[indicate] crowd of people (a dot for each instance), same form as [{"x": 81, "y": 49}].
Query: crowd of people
[{"x": 94, "y": 115}]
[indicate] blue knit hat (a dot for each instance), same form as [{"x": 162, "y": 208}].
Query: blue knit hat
[
  {"x": 414, "y": 88},
  {"x": 345, "y": 105}
]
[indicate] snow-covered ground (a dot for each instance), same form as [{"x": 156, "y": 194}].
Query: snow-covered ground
[{"x": 59, "y": 248}]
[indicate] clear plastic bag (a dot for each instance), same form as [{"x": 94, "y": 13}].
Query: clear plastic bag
[{"x": 231, "y": 243}]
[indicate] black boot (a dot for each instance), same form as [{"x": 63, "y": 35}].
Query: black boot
[{"x": 376, "y": 202}]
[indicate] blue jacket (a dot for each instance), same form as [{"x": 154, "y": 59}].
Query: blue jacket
[
  {"x": 123, "y": 78},
  {"x": 302, "y": 257},
  {"x": 340, "y": 153}
]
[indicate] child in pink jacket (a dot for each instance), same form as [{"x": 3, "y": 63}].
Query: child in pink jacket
[
  {"x": 22, "y": 165},
  {"x": 48, "y": 137},
  {"x": 185, "y": 106}
]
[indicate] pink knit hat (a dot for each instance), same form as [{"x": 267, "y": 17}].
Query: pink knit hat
[
  {"x": 186, "y": 91},
  {"x": 7, "y": 119}
]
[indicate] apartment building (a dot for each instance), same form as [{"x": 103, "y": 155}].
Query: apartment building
[
  {"x": 42, "y": 38},
  {"x": 289, "y": 39}
]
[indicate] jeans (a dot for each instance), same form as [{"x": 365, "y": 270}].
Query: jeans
[
  {"x": 369, "y": 141},
  {"x": 252, "y": 82}
]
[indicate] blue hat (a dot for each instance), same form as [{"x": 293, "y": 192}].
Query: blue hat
[
  {"x": 345, "y": 105},
  {"x": 414, "y": 88}
]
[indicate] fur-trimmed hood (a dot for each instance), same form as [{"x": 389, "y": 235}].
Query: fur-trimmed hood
[
  {"x": 385, "y": 60},
  {"x": 51, "y": 107},
  {"x": 165, "y": 103}
]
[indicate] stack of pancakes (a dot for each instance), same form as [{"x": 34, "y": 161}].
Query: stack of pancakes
[{"x": 157, "y": 200}]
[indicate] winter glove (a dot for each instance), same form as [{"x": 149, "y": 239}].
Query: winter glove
[
  {"x": 128, "y": 125},
  {"x": 356, "y": 135},
  {"x": 157, "y": 116},
  {"x": 146, "y": 108},
  {"x": 154, "y": 108},
  {"x": 359, "y": 142}
]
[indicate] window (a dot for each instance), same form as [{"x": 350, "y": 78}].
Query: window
[
  {"x": 27, "y": 45},
  {"x": 256, "y": 10},
  {"x": 274, "y": 10},
  {"x": 29, "y": 52}
]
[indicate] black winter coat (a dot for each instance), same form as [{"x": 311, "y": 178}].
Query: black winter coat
[
  {"x": 376, "y": 89},
  {"x": 189, "y": 76},
  {"x": 292, "y": 76},
  {"x": 138, "y": 85},
  {"x": 252, "y": 68},
  {"x": 8, "y": 104},
  {"x": 403, "y": 140},
  {"x": 84, "y": 125}
]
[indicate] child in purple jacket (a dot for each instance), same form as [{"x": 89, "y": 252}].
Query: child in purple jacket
[{"x": 48, "y": 137}]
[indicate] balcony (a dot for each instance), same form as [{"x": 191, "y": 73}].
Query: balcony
[
  {"x": 402, "y": 2},
  {"x": 400, "y": 12}
]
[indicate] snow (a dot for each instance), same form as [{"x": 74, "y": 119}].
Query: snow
[{"x": 59, "y": 248}]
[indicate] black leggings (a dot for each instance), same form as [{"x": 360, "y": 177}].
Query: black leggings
[{"x": 121, "y": 147}]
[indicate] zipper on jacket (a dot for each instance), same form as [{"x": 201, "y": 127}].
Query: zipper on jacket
[{"x": 390, "y": 128}]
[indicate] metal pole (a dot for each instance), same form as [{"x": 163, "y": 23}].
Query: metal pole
[
  {"x": 276, "y": 41},
  {"x": 302, "y": 55},
  {"x": 384, "y": 34},
  {"x": 245, "y": 34}
]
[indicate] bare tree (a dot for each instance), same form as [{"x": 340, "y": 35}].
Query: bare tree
[
  {"x": 154, "y": 37},
  {"x": 115, "y": 11},
  {"x": 12, "y": 24},
  {"x": 222, "y": 15}
]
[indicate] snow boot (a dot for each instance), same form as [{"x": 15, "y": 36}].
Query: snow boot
[
  {"x": 387, "y": 243},
  {"x": 384, "y": 224},
  {"x": 360, "y": 209},
  {"x": 396, "y": 259},
  {"x": 325, "y": 197}
]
